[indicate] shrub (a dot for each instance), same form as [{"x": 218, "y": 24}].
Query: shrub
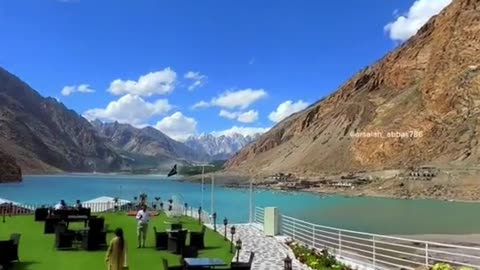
[{"x": 315, "y": 259}]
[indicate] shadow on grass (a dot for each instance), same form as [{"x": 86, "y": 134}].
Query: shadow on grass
[
  {"x": 21, "y": 265},
  {"x": 210, "y": 248}
]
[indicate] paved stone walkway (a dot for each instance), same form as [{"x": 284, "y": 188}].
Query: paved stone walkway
[{"x": 269, "y": 251}]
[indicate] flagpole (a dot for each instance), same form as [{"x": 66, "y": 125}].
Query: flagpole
[
  {"x": 203, "y": 183},
  {"x": 212, "y": 198},
  {"x": 250, "y": 219}
]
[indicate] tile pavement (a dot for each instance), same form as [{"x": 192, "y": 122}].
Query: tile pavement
[{"x": 269, "y": 251}]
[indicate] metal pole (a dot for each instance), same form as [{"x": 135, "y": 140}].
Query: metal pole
[
  {"x": 426, "y": 254},
  {"x": 374, "y": 253},
  {"x": 212, "y": 195},
  {"x": 250, "y": 219},
  {"x": 203, "y": 183},
  {"x": 313, "y": 234},
  {"x": 339, "y": 243}
]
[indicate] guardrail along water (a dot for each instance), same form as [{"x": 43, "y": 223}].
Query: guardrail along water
[{"x": 374, "y": 251}]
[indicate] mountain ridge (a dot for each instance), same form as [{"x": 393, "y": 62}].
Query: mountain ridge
[
  {"x": 44, "y": 136},
  {"x": 409, "y": 89},
  {"x": 146, "y": 141},
  {"x": 220, "y": 147}
]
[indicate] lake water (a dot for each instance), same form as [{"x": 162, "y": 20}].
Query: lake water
[{"x": 377, "y": 215}]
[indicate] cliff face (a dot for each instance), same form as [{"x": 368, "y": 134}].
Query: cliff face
[
  {"x": 428, "y": 90},
  {"x": 9, "y": 170},
  {"x": 147, "y": 141},
  {"x": 44, "y": 136}
]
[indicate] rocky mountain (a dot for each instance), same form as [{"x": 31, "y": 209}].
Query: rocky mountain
[
  {"x": 147, "y": 141},
  {"x": 42, "y": 135},
  {"x": 220, "y": 147},
  {"x": 428, "y": 90},
  {"x": 9, "y": 169}
]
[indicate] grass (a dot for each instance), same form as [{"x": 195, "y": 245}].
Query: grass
[{"x": 37, "y": 252}]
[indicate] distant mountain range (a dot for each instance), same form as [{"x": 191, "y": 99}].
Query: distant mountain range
[
  {"x": 148, "y": 142},
  {"x": 40, "y": 135},
  {"x": 220, "y": 147}
]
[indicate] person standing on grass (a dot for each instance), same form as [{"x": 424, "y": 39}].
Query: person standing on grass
[
  {"x": 117, "y": 252},
  {"x": 143, "y": 218}
]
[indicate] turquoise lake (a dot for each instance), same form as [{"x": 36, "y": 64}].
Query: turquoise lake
[{"x": 377, "y": 215}]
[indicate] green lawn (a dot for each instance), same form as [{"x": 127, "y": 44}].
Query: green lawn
[{"x": 37, "y": 250}]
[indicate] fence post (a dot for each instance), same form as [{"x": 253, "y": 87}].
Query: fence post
[
  {"x": 313, "y": 234},
  {"x": 294, "y": 228},
  {"x": 340, "y": 243},
  {"x": 426, "y": 254},
  {"x": 374, "y": 252}
]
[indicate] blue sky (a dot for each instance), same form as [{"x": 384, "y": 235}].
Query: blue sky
[{"x": 244, "y": 59}]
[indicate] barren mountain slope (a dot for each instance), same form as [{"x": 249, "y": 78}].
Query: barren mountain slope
[
  {"x": 431, "y": 85},
  {"x": 45, "y": 136}
]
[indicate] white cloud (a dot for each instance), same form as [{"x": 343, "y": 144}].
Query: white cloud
[
  {"x": 234, "y": 99},
  {"x": 248, "y": 117},
  {"x": 178, "y": 126},
  {"x": 244, "y": 117},
  {"x": 130, "y": 109},
  {"x": 287, "y": 108},
  {"x": 201, "y": 104},
  {"x": 154, "y": 83},
  {"x": 198, "y": 80},
  {"x": 245, "y": 131},
  {"x": 82, "y": 88},
  {"x": 238, "y": 99},
  {"x": 419, "y": 13},
  {"x": 227, "y": 114}
]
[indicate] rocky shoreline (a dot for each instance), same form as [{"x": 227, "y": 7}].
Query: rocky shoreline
[{"x": 394, "y": 187}]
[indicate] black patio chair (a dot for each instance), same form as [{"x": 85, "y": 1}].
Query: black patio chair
[
  {"x": 189, "y": 252},
  {"x": 176, "y": 241},
  {"x": 96, "y": 224},
  {"x": 6, "y": 248},
  {"x": 41, "y": 214},
  {"x": 50, "y": 222},
  {"x": 15, "y": 237},
  {"x": 176, "y": 226},
  {"x": 197, "y": 239},
  {"x": 64, "y": 239},
  {"x": 161, "y": 239}
]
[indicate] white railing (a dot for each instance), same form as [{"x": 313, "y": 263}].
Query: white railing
[
  {"x": 375, "y": 251},
  {"x": 15, "y": 209},
  {"x": 259, "y": 216},
  {"x": 194, "y": 213}
]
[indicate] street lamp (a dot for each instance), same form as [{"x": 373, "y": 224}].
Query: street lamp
[
  {"x": 238, "y": 247},
  {"x": 186, "y": 208},
  {"x": 200, "y": 215},
  {"x": 287, "y": 263},
  {"x": 232, "y": 232},
  {"x": 214, "y": 216},
  {"x": 225, "y": 223}
]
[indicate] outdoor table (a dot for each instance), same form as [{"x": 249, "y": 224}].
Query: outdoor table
[
  {"x": 204, "y": 262},
  {"x": 76, "y": 219},
  {"x": 175, "y": 231}
]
